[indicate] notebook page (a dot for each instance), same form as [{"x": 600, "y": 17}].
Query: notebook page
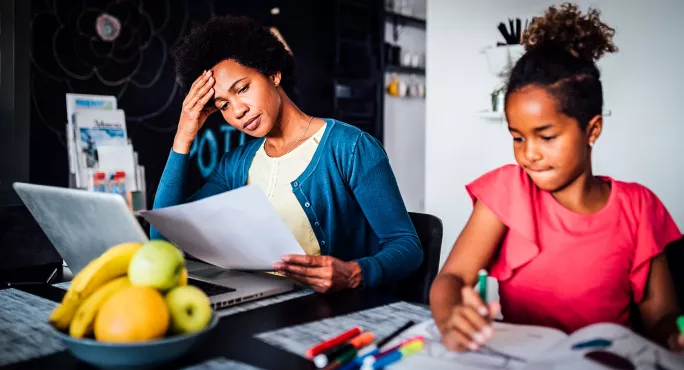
[
  {"x": 613, "y": 338},
  {"x": 510, "y": 348}
]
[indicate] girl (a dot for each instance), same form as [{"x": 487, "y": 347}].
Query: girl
[
  {"x": 569, "y": 248},
  {"x": 331, "y": 183}
]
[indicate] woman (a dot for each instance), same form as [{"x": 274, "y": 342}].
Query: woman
[{"x": 331, "y": 183}]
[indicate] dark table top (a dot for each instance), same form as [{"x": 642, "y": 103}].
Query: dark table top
[{"x": 233, "y": 338}]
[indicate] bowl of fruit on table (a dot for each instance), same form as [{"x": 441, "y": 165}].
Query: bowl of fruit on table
[{"x": 132, "y": 307}]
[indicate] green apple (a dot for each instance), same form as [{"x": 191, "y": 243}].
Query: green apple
[
  {"x": 190, "y": 309},
  {"x": 157, "y": 264}
]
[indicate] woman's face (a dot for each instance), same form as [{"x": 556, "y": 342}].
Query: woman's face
[
  {"x": 550, "y": 146},
  {"x": 248, "y": 101}
]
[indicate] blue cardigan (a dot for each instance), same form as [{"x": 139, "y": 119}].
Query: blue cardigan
[{"x": 348, "y": 192}]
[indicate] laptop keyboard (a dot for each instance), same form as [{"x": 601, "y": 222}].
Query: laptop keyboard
[{"x": 209, "y": 288}]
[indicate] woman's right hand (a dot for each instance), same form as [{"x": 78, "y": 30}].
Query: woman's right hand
[
  {"x": 469, "y": 325},
  {"x": 195, "y": 112}
]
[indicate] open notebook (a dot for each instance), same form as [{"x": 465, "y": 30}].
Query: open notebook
[{"x": 534, "y": 347}]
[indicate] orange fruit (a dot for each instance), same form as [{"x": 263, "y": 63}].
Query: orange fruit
[
  {"x": 183, "y": 279},
  {"x": 134, "y": 314}
]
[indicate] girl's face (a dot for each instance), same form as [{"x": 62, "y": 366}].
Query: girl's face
[
  {"x": 550, "y": 146},
  {"x": 247, "y": 100}
]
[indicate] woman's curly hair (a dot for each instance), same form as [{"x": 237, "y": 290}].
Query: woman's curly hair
[
  {"x": 240, "y": 39},
  {"x": 561, "y": 50}
]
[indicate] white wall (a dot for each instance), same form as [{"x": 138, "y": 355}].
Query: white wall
[
  {"x": 404, "y": 142},
  {"x": 641, "y": 141},
  {"x": 404, "y": 138}
]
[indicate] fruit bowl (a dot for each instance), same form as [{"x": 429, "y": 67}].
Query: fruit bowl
[{"x": 139, "y": 355}]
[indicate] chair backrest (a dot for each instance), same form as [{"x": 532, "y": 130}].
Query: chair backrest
[
  {"x": 416, "y": 287},
  {"x": 674, "y": 253}
]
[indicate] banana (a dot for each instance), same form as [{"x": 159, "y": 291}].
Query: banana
[
  {"x": 84, "y": 318},
  {"x": 111, "y": 264},
  {"x": 62, "y": 314},
  {"x": 183, "y": 279}
]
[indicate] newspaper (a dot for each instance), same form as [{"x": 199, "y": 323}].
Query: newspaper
[
  {"x": 99, "y": 127},
  {"x": 93, "y": 123},
  {"x": 75, "y": 103},
  {"x": 79, "y": 102}
]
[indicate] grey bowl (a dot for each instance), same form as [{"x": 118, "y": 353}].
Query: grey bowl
[{"x": 140, "y": 355}]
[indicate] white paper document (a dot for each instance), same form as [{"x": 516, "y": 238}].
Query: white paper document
[{"x": 238, "y": 229}]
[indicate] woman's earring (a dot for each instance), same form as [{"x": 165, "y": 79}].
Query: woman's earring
[{"x": 591, "y": 144}]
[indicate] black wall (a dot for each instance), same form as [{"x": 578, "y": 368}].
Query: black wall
[
  {"x": 67, "y": 56},
  {"x": 14, "y": 96}
]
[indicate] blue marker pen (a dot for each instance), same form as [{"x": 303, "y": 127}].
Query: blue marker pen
[{"x": 395, "y": 356}]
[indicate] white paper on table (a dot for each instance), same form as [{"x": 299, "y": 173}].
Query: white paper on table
[
  {"x": 511, "y": 348},
  {"x": 111, "y": 158},
  {"x": 238, "y": 229}
]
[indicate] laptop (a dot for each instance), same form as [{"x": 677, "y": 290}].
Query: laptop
[{"x": 82, "y": 225}]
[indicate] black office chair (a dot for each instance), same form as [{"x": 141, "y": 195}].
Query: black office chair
[
  {"x": 416, "y": 287},
  {"x": 674, "y": 253}
]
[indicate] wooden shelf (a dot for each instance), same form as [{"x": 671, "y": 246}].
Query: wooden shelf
[
  {"x": 405, "y": 20},
  {"x": 406, "y": 70}
]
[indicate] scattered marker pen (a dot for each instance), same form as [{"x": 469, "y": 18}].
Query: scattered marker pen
[
  {"x": 333, "y": 342},
  {"x": 482, "y": 280},
  {"x": 361, "y": 340},
  {"x": 375, "y": 348},
  {"x": 343, "y": 359},
  {"x": 395, "y": 356},
  {"x": 374, "y": 357},
  {"x": 395, "y": 333}
]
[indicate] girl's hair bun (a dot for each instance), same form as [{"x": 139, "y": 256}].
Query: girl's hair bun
[{"x": 582, "y": 35}]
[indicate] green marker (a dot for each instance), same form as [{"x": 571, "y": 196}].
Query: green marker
[
  {"x": 680, "y": 324},
  {"x": 482, "y": 279}
]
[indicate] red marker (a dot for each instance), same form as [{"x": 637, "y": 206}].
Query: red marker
[{"x": 330, "y": 343}]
